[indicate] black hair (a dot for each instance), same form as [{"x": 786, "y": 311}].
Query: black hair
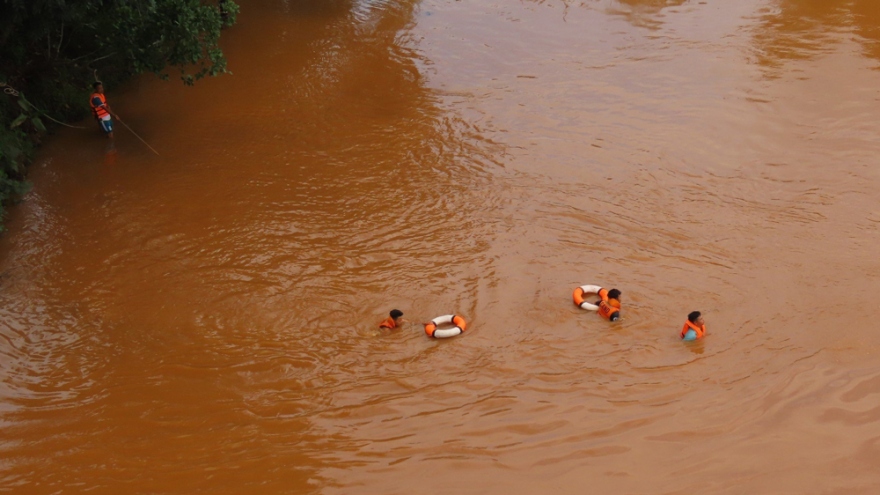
[
  {"x": 396, "y": 313},
  {"x": 96, "y": 84},
  {"x": 693, "y": 315},
  {"x": 613, "y": 293}
]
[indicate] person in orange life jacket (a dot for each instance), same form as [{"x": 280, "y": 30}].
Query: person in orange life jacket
[
  {"x": 395, "y": 318},
  {"x": 694, "y": 328},
  {"x": 101, "y": 109},
  {"x": 609, "y": 306}
]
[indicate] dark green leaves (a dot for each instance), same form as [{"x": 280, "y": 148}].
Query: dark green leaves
[
  {"x": 169, "y": 33},
  {"x": 38, "y": 124},
  {"x": 18, "y": 121}
]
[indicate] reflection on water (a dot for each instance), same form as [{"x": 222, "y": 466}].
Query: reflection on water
[
  {"x": 800, "y": 29},
  {"x": 643, "y": 13},
  {"x": 205, "y": 322}
]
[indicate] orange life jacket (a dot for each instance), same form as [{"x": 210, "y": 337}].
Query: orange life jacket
[
  {"x": 388, "y": 323},
  {"x": 99, "y": 111},
  {"x": 607, "y": 307},
  {"x": 700, "y": 331}
]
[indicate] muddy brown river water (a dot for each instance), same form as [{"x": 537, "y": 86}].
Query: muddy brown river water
[{"x": 204, "y": 322}]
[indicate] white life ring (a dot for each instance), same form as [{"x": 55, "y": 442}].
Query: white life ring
[
  {"x": 458, "y": 321},
  {"x": 579, "y": 299}
]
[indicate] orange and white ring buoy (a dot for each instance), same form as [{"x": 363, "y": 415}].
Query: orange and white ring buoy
[
  {"x": 458, "y": 321},
  {"x": 579, "y": 294}
]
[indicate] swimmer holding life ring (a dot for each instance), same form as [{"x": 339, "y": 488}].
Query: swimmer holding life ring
[
  {"x": 432, "y": 331},
  {"x": 608, "y": 306},
  {"x": 694, "y": 327}
]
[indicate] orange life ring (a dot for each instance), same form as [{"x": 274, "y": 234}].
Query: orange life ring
[
  {"x": 580, "y": 292},
  {"x": 458, "y": 321}
]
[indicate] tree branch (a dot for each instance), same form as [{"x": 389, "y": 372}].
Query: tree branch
[{"x": 58, "y": 51}]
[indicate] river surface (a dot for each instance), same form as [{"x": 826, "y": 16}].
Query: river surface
[{"x": 204, "y": 322}]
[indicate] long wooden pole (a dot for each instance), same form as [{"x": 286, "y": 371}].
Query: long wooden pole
[{"x": 136, "y": 135}]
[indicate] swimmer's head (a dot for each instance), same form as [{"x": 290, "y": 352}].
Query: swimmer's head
[
  {"x": 615, "y": 316},
  {"x": 696, "y": 318},
  {"x": 395, "y": 314},
  {"x": 99, "y": 88},
  {"x": 614, "y": 294}
]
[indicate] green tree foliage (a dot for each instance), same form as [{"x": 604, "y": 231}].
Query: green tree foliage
[{"x": 52, "y": 50}]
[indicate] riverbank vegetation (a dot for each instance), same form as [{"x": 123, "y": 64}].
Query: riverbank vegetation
[{"x": 51, "y": 51}]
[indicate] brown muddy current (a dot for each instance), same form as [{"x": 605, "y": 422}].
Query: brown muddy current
[{"x": 205, "y": 321}]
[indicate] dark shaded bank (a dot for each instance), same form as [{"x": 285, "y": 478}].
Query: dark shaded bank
[{"x": 52, "y": 50}]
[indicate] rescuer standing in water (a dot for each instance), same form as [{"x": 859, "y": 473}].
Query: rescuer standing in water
[{"x": 101, "y": 109}]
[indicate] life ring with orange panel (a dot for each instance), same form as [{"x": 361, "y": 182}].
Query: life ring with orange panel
[
  {"x": 434, "y": 332},
  {"x": 580, "y": 292}
]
